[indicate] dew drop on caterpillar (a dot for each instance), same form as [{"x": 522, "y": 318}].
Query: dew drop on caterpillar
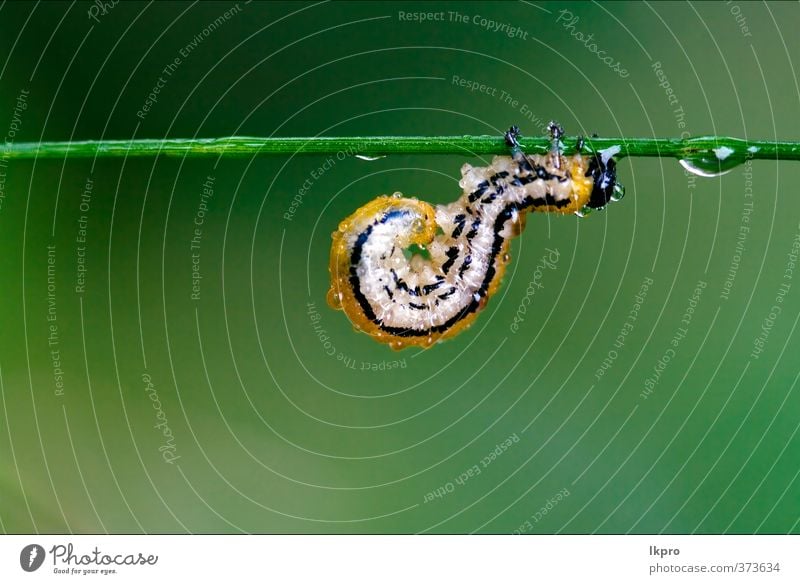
[{"x": 406, "y": 299}]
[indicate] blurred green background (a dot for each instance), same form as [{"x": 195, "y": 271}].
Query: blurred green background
[{"x": 274, "y": 428}]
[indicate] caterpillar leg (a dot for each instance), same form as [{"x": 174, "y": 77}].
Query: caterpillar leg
[{"x": 404, "y": 298}]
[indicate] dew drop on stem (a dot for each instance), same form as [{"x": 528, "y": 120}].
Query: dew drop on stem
[{"x": 712, "y": 163}]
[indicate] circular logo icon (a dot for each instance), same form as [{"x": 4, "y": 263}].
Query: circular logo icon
[{"x": 31, "y": 557}]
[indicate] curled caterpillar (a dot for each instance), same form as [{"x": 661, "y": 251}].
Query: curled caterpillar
[{"x": 407, "y": 299}]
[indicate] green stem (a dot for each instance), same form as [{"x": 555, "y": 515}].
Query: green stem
[{"x": 381, "y": 145}]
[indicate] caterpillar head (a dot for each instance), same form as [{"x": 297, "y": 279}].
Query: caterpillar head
[{"x": 605, "y": 188}]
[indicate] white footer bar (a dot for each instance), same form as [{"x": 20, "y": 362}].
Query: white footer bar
[{"x": 390, "y": 558}]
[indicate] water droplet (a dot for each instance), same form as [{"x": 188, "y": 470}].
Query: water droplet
[
  {"x": 369, "y": 158},
  {"x": 618, "y": 193},
  {"x": 334, "y": 299},
  {"x": 583, "y": 211},
  {"x": 397, "y": 195},
  {"x": 506, "y": 257},
  {"x": 712, "y": 164},
  {"x": 417, "y": 225}
]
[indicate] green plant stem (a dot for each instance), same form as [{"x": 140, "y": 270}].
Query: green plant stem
[{"x": 382, "y": 145}]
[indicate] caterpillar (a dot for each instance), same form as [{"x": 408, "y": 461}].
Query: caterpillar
[{"x": 411, "y": 274}]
